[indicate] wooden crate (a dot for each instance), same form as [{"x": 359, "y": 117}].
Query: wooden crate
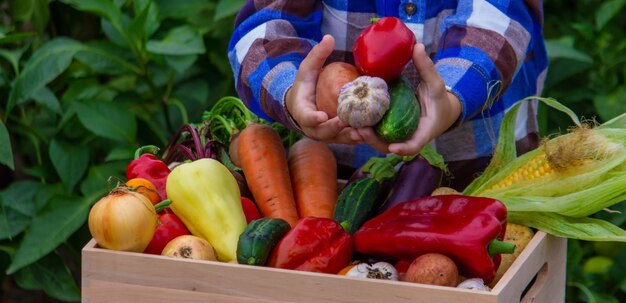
[{"x": 538, "y": 275}]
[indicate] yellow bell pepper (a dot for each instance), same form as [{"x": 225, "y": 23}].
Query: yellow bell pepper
[{"x": 205, "y": 196}]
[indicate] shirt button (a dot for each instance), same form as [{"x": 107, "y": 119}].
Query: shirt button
[{"x": 410, "y": 9}]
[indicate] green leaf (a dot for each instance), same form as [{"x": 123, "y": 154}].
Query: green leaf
[
  {"x": 57, "y": 221},
  {"x": 607, "y": 11},
  {"x": 69, "y": 160},
  {"x": 13, "y": 57},
  {"x": 152, "y": 19},
  {"x": 564, "y": 49},
  {"x": 125, "y": 153},
  {"x": 6, "y": 153},
  {"x": 182, "y": 9},
  {"x": 103, "y": 8},
  {"x": 610, "y": 105},
  {"x": 112, "y": 33},
  {"x": 227, "y": 8},
  {"x": 108, "y": 120},
  {"x": 588, "y": 229},
  {"x": 46, "y": 97},
  {"x": 107, "y": 58},
  {"x": 17, "y": 207},
  {"x": 15, "y": 37},
  {"x": 52, "y": 276},
  {"x": 87, "y": 89},
  {"x": 98, "y": 177},
  {"x": 182, "y": 40},
  {"x": 136, "y": 30},
  {"x": 180, "y": 63},
  {"x": 45, "y": 65},
  {"x": 41, "y": 14}
]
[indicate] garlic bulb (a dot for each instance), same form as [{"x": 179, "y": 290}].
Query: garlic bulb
[{"x": 363, "y": 101}]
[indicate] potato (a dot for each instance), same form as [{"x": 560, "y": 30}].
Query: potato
[
  {"x": 444, "y": 191},
  {"x": 434, "y": 269},
  {"x": 190, "y": 247},
  {"x": 329, "y": 83},
  {"x": 519, "y": 235}
]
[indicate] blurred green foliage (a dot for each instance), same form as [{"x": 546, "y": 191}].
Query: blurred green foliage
[
  {"x": 83, "y": 83},
  {"x": 586, "y": 44}
]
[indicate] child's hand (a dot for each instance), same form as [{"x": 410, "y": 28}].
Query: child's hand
[
  {"x": 300, "y": 100},
  {"x": 440, "y": 109}
]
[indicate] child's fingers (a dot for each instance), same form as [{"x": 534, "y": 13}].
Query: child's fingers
[
  {"x": 370, "y": 138},
  {"x": 312, "y": 65},
  {"x": 426, "y": 68}
]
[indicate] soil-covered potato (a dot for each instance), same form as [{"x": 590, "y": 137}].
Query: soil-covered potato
[
  {"x": 434, "y": 269},
  {"x": 519, "y": 235},
  {"x": 439, "y": 191}
]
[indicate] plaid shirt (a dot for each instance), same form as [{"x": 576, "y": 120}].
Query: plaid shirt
[{"x": 489, "y": 53}]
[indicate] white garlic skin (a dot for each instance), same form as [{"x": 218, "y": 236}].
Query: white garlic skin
[{"x": 363, "y": 101}]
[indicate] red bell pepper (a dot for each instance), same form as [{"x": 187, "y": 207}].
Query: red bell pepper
[
  {"x": 250, "y": 209},
  {"x": 466, "y": 229},
  {"x": 384, "y": 48},
  {"x": 168, "y": 228},
  {"x": 148, "y": 166},
  {"x": 313, "y": 244}
]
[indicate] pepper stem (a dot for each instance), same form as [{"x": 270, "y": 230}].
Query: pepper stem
[
  {"x": 374, "y": 20},
  {"x": 146, "y": 149},
  {"x": 345, "y": 225},
  {"x": 500, "y": 247},
  {"x": 162, "y": 205}
]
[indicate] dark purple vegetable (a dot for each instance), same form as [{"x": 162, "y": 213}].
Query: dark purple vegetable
[{"x": 415, "y": 179}]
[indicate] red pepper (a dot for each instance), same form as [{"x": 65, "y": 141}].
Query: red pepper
[
  {"x": 384, "y": 48},
  {"x": 314, "y": 244},
  {"x": 466, "y": 229},
  {"x": 148, "y": 166},
  {"x": 249, "y": 209},
  {"x": 169, "y": 227}
]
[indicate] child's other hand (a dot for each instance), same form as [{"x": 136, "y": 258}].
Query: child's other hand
[
  {"x": 300, "y": 100},
  {"x": 440, "y": 109}
]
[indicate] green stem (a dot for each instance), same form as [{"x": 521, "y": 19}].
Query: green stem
[
  {"x": 181, "y": 108},
  {"x": 345, "y": 225},
  {"x": 384, "y": 168},
  {"x": 500, "y": 247},
  {"x": 162, "y": 205},
  {"x": 146, "y": 149}
]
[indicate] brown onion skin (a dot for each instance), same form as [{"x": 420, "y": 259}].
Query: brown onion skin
[{"x": 123, "y": 220}]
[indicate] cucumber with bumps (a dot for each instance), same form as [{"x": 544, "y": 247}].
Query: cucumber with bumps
[
  {"x": 259, "y": 238},
  {"x": 401, "y": 119}
]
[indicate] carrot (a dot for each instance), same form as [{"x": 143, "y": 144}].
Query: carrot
[
  {"x": 264, "y": 164},
  {"x": 313, "y": 171}
]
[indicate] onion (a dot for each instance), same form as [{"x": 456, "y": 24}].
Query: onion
[
  {"x": 190, "y": 247},
  {"x": 123, "y": 220}
]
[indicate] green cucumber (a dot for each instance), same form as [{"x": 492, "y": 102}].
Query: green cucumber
[
  {"x": 259, "y": 238},
  {"x": 400, "y": 120},
  {"x": 357, "y": 203}
]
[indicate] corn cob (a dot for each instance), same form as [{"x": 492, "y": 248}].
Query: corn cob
[{"x": 569, "y": 154}]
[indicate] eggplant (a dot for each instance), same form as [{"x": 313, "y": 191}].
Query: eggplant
[{"x": 415, "y": 179}]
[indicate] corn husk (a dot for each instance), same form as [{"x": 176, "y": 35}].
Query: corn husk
[{"x": 590, "y": 176}]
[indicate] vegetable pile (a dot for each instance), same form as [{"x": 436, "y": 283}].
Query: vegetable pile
[
  {"x": 235, "y": 188},
  {"x": 239, "y": 189}
]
